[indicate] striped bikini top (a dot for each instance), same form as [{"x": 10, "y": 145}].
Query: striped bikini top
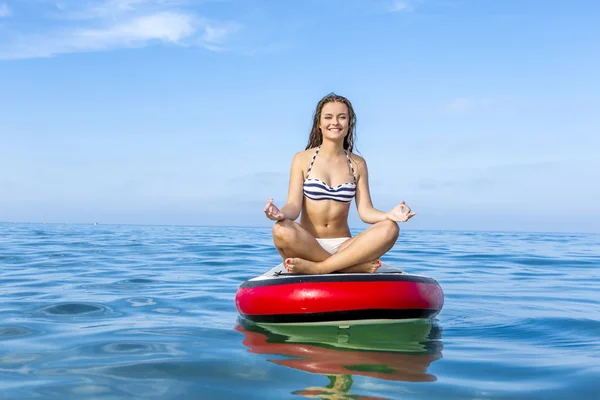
[{"x": 315, "y": 189}]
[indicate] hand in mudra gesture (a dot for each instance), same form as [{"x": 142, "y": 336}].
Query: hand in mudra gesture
[
  {"x": 272, "y": 212},
  {"x": 401, "y": 213}
]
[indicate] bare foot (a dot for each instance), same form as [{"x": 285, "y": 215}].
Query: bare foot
[
  {"x": 368, "y": 267},
  {"x": 301, "y": 266}
]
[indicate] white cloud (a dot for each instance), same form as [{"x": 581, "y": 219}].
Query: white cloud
[
  {"x": 89, "y": 26},
  {"x": 168, "y": 27},
  {"x": 213, "y": 36},
  {"x": 4, "y": 11},
  {"x": 400, "y": 6},
  {"x": 92, "y": 9},
  {"x": 218, "y": 34}
]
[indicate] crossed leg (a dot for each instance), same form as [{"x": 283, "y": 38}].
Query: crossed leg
[
  {"x": 370, "y": 266},
  {"x": 369, "y": 245},
  {"x": 303, "y": 254},
  {"x": 293, "y": 241}
]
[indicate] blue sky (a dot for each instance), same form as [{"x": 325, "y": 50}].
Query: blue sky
[{"x": 479, "y": 114}]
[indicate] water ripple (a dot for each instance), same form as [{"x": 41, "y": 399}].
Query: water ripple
[{"x": 74, "y": 309}]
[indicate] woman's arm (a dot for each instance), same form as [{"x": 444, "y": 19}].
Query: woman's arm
[
  {"x": 364, "y": 205},
  {"x": 291, "y": 210}
]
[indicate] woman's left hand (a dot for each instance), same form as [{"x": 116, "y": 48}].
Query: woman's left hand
[{"x": 400, "y": 213}]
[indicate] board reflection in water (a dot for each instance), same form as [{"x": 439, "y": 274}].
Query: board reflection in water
[{"x": 400, "y": 351}]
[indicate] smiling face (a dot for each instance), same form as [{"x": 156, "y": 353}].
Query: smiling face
[{"x": 334, "y": 121}]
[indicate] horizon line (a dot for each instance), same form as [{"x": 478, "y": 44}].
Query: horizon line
[{"x": 267, "y": 227}]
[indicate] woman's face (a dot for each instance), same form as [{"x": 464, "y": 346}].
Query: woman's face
[{"x": 334, "y": 121}]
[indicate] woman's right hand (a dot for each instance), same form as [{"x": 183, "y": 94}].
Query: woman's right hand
[{"x": 272, "y": 212}]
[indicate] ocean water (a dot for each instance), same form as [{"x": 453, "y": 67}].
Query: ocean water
[{"x": 122, "y": 312}]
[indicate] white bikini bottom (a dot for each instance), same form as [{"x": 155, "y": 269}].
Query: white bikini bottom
[{"x": 331, "y": 245}]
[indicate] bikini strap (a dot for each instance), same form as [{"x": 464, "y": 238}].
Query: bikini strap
[
  {"x": 312, "y": 162},
  {"x": 351, "y": 166}
]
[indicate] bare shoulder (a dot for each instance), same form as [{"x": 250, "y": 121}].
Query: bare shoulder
[
  {"x": 357, "y": 159},
  {"x": 360, "y": 164},
  {"x": 304, "y": 155},
  {"x": 301, "y": 160}
]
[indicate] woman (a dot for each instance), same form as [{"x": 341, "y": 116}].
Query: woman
[{"x": 323, "y": 181}]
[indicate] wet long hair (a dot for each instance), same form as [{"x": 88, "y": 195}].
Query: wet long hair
[{"x": 316, "y": 136}]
